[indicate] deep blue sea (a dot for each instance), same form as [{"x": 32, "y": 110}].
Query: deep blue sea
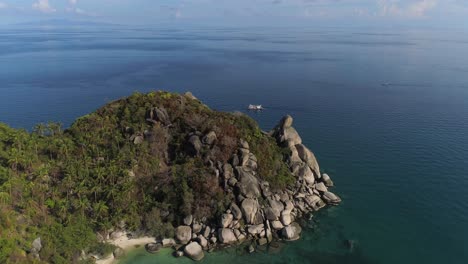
[{"x": 398, "y": 152}]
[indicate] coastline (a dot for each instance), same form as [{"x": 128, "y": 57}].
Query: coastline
[{"x": 127, "y": 244}]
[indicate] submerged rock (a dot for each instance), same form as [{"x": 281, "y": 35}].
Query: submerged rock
[
  {"x": 153, "y": 247},
  {"x": 331, "y": 198},
  {"x": 291, "y": 232},
  {"x": 168, "y": 242}
]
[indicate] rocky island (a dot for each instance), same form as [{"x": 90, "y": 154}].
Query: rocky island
[{"x": 161, "y": 166}]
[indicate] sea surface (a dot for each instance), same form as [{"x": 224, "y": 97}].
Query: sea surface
[{"x": 385, "y": 111}]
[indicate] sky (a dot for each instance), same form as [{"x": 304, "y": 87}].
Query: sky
[{"x": 426, "y": 13}]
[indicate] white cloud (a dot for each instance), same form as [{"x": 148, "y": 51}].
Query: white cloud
[
  {"x": 73, "y": 2},
  {"x": 44, "y": 6},
  {"x": 420, "y": 8},
  {"x": 79, "y": 11},
  {"x": 3, "y": 5},
  {"x": 413, "y": 8}
]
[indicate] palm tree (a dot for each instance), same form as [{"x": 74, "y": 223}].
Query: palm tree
[
  {"x": 40, "y": 129},
  {"x": 100, "y": 209},
  {"x": 4, "y": 198},
  {"x": 15, "y": 158}
]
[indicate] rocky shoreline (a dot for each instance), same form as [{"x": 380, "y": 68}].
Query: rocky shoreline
[{"x": 258, "y": 214}]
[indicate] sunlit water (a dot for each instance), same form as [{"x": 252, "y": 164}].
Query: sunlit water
[{"x": 397, "y": 152}]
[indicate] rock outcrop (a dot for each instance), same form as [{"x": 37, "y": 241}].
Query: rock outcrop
[
  {"x": 246, "y": 217},
  {"x": 183, "y": 234},
  {"x": 194, "y": 251}
]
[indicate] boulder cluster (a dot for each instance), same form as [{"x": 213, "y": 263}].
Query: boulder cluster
[{"x": 257, "y": 213}]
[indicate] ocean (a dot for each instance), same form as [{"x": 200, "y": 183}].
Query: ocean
[{"x": 385, "y": 112}]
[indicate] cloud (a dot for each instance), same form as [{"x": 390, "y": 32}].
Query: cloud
[
  {"x": 43, "y": 6},
  {"x": 73, "y": 2},
  {"x": 79, "y": 11},
  {"x": 420, "y": 8},
  {"x": 412, "y": 8},
  {"x": 3, "y": 5}
]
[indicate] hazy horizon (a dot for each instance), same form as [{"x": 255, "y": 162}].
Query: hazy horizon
[{"x": 292, "y": 13}]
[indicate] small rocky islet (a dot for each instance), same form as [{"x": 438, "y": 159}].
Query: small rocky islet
[
  {"x": 257, "y": 213},
  {"x": 162, "y": 165}
]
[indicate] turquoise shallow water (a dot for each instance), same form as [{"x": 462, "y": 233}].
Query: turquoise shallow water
[{"x": 397, "y": 153}]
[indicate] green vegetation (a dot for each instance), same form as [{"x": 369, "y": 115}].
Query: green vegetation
[{"x": 67, "y": 185}]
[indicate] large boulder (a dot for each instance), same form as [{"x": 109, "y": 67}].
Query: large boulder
[
  {"x": 207, "y": 231},
  {"x": 286, "y": 122},
  {"x": 321, "y": 187},
  {"x": 116, "y": 234},
  {"x": 302, "y": 170},
  {"x": 331, "y": 198},
  {"x": 194, "y": 251},
  {"x": 228, "y": 171},
  {"x": 183, "y": 234},
  {"x": 270, "y": 214},
  {"x": 290, "y": 137},
  {"x": 196, "y": 228},
  {"x": 243, "y": 157},
  {"x": 159, "y": 115},
  {"x": 256, "y": 229},
  {"x": 168, "y": 242},
  {"x": 226, "y": 236},
  {"x": 277, "y": 225},
  {"x": 188, "y": 220},
  {"x": 244, "y": 144},
  {"x": 37, "y": 244},
  {"x": 249, "y": 209},
  {"x": 36, "y": 247},
  {"x": 327, "y": 180},
  {"x": 190, "y": 96},
  {"x": 308, "y": 157},
  {"x": 294, "y": 156},
  {"x": 202, "y": 241},
  {"x": 236, "y": 211},
  {"x": 286, "y": 218},
  {"x": 209, "y": 138},
  {"x": 276, "y": 206},
  {"x": 248, "y": 184},
  {"x": 226, "y": 220},
  {"x": 251, "y": 162},
  {"x": 315, "y": 202},
  {"x": 196, "y": 144},
  {"x": 291, "y": 232}
]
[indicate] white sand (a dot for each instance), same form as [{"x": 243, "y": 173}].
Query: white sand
[{"x": 126, "y": 244}]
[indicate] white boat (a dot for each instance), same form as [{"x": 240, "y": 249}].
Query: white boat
[{"x": 255, "y": 107}]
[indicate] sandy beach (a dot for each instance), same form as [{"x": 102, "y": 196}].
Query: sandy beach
[{"x": 126, "y": 244}]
